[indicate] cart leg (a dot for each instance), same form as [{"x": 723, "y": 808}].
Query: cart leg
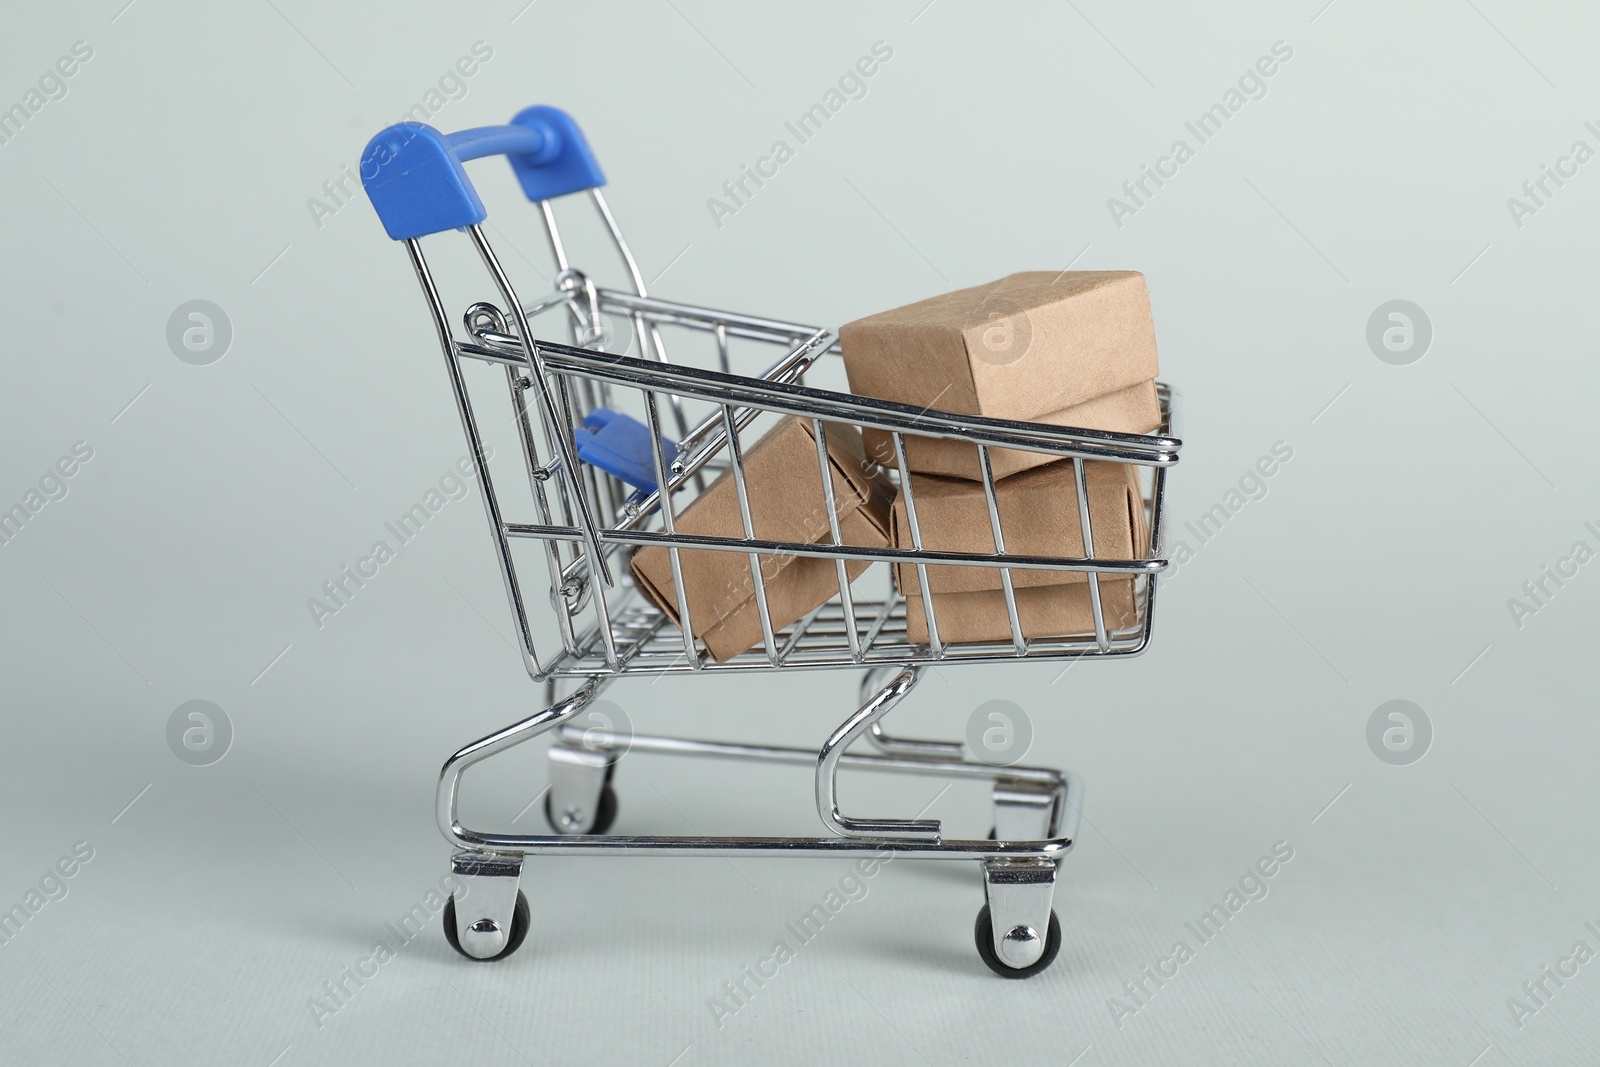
[
  {"x": 1023, "y": 810},
  {"x": 832, "y": 752},
  {"x": 491, "y": 919},
  {"x": 579, "y": 802},
  {"x": 1017, "y": 932},
  {"x": 871, "y": 683}
]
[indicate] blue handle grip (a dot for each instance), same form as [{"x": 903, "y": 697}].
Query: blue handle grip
[{"x": 413, "y": 174}]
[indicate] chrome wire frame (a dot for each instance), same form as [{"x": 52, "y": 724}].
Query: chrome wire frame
[
  {"x": 589, "y": 523},
  {"x": 851, "y": 631}
]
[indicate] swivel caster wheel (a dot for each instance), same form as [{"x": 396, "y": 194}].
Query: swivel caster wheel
[
  {"x": 983, "y": 933},
  {"x": 605, "y": 814},
  {"x": 519, "y": 930}
]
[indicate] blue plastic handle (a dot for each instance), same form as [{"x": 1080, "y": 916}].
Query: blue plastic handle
[{"x": 413, "y": 174}]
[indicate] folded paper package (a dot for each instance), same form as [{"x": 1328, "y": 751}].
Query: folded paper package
[
  {"x": 787, "y": 503},
  {"x": 1065, "y": 348},
  {"x": 1039, "y": 516}
]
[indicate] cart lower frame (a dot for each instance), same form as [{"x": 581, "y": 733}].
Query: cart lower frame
[{"x": 1037, "y": 812}]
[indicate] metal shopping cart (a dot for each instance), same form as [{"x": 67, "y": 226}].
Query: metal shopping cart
[{"x": 588, "y": 521}]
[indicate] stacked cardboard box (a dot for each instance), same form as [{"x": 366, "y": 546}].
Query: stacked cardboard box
[
  {"x": 1070, "y": 348},
  {"x": 787, "y": 503},
  {"x": 1038, "y": 511}
]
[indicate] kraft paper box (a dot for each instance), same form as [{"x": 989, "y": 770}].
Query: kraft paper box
[
  {"x": 1038, "y": 517},
  {"x": 1135, "y": 409},
  {"x": 1043, "y": 611},
  {"x": 1032, "y": 346},
  {"x": 786, "y": 504}
]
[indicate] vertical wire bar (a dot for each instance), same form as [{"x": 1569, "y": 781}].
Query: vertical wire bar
[
  {"x": 556, "y": 247},
  {"x": 916, "y": 543},
  {"x": 987, "y": 469},
  {"x": 562, "y": 444},
  {"x": 552, "y": 546},
  {"x": 491, "y": 504},
  {"x": 825, "y": 468},
  {"x": 596, "y": 589},
  {"x": 1157, "y": 548},
  {"x": 584, "y": 330},
  {"x": 1088, "y": 552},
  {"x": 541, "y": 503},
  {"x": 656, "y": 349},
  {"x": 640, "y": 335},
  {"x": 520, "y": 387},
  {"x": 653, "y": 420},
  {"x": 676, "y": 403},
  {"x": 617, "y": 239},
  {"x": 721, "y": 332},
  {"x": 583, "y": 473},
  {"x": 736, "y": 460},
  {"x": 602, "y": 610}
]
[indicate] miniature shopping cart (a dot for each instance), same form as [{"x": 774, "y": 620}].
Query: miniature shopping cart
[{"x": 588, "y": 518}]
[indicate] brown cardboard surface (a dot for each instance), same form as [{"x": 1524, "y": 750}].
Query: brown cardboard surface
[
  {"x": 1038, "y": 517},
  {"x": 1135, "y": 409},
  {"x": 787, "y": 503},
  {"x": 1018, "y": 348},
  {"x": 1043, "y": 611}
]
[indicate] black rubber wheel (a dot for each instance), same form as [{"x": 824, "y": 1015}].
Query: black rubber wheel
[
  {"x": 519, "y": 929},
  {"x": 603, "y": 818},
  {"x": 983, "y": 934}
]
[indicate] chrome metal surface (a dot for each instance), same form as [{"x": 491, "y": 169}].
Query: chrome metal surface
[
  {"x": 902, "y": 746},
  {"x": 587, "y": 523},
  {"x": 832, "y": 751},
  {"x": 577, "y": 778},
  {"x": 1024, "y": 810},
  {"x": 1048, "y": 777},
  {"x": 486, "y": 906},
  {"x": 1020, "y": 896}
]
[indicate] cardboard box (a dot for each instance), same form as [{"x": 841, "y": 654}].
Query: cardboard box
[
  {"x": 1019, "y": 348},
  {"x": 1043, "y": 611},
  {"x": 1038, "y": 517},
  {"x": 1135, "y": 409},
  {"x": 787, "y": 503}
]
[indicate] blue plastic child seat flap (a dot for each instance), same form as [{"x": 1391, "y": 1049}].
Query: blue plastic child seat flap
[{"x": 620, "y": 445}]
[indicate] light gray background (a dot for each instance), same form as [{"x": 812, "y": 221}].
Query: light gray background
[{"x": 1419, "y": 499}]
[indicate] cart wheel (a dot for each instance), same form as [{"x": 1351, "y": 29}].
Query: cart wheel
[
  {"x": 519, "y": 929},
  {"x": 602, "y": 819},
  {"x": 983, "y": 933}
]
